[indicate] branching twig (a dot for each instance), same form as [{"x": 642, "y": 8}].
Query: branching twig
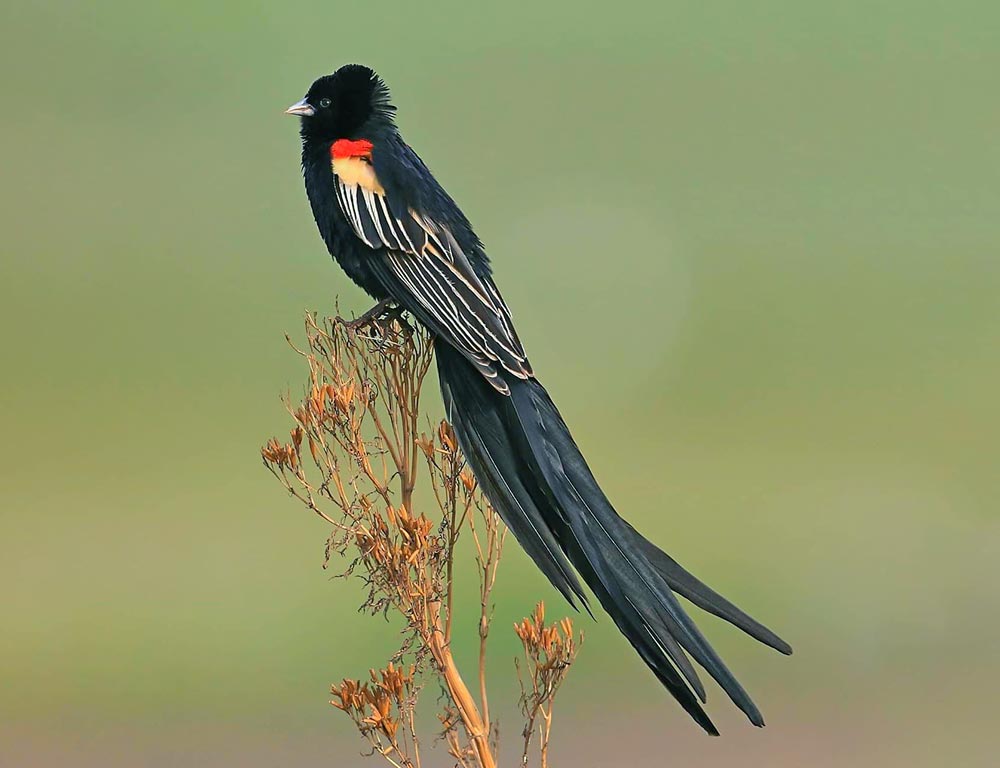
[
  {"x": 548, "y": 652},
  {"x": 356, "y": 426}
]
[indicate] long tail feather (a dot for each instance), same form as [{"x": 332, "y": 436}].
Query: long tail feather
[
  {"x": 532, "y": 471},
  {"x": 706, "y": 598}
]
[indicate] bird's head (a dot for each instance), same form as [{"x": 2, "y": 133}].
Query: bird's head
[{"x": 352, "y": 102}]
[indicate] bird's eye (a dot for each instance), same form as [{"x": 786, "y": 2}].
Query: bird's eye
[{"x": 324, "y": 103}]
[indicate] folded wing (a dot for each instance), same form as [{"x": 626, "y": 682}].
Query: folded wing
[{"x": 421, "y": 258}]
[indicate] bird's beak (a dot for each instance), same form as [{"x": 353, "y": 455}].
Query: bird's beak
[{"x": 301, "y": 109}]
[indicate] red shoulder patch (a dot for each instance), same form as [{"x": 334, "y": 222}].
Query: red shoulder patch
[{"x": 344, "y": 148}]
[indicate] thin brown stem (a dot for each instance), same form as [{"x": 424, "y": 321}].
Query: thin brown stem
[{"x": 459, "y": 693}]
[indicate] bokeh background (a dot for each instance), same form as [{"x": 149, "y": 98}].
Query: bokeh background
[{"x": 753, "y": 252}]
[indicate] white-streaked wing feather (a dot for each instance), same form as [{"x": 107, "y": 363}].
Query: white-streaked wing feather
[{"x": 428, "y": 261}]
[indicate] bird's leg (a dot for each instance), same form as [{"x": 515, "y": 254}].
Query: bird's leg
[{"x": 383, "y": 309}]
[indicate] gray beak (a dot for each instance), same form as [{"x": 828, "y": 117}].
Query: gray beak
[{"x": 301, "y": 109}]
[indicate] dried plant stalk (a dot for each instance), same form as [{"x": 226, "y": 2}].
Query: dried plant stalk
[
  {"x": 357, "y": 430},
  {"x": 548, "y": 653}
]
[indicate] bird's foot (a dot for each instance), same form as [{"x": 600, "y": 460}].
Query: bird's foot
[
  {"x": 378, "y": 318},
  {"x": 379, "y": 312}
]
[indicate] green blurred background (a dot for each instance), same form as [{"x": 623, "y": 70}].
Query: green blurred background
[{"x": 752, "y": 250}]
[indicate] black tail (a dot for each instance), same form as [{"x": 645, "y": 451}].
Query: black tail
[{"x": 525, "y": 459}]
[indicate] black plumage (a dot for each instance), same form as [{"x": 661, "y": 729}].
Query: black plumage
[{"x": 399, "y": 235}]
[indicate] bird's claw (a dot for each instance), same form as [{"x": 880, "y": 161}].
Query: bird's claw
[{"x": 377, "y": 318}]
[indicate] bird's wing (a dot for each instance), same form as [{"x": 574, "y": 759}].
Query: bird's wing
[{"x": 429, "y": 274}]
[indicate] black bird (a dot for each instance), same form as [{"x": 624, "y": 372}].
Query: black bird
[{"x": 401, "y": 237}]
